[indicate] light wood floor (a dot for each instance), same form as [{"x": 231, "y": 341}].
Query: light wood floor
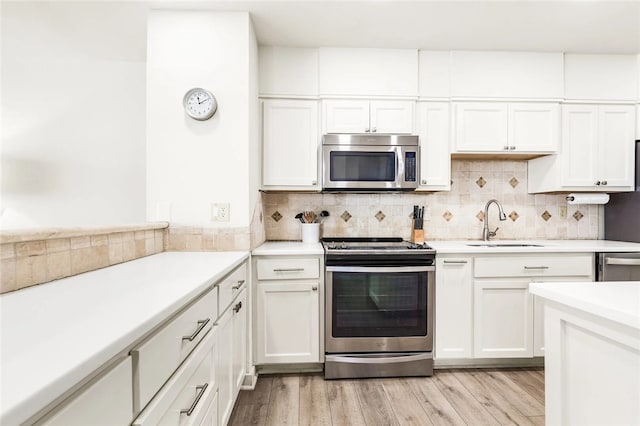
[{"x": 450, "y": 397}]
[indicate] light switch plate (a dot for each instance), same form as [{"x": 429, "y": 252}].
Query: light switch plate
[
  {"x": 562, "y": 212},
  {"x": 220, "y": 212}
]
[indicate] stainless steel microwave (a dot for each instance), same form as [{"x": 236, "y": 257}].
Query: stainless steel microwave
[{"x": 370, "y": 162}]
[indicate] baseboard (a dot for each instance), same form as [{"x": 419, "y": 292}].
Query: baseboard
[
  {"x": 488, "y": 363},
  {"x": 290, "y": 368},
  {"x": 250, "y": 379}
]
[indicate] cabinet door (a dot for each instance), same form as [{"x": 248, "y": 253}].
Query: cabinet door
[
  {"x": 391, "y": 116},
  {"x": 225, "y": 367},
  {"x": 288, "y": 324},
  {"x": 346, "y": 116},
  {"x": 534, "y": 127},
  {"x": 239, "y": 347},
  {"x": 435, "y": 158},
  {"x": 616, "y": 145},
  {"x": 454, "y": 292},
  {"x": 481, "y": 126},
  {"x": 503, "y": 315},
  {"x": 579, "y": 149},
  {"x": 290, "y": 137}
]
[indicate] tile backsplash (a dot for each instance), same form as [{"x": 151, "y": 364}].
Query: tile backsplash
[{"x": 455, "y": 214}]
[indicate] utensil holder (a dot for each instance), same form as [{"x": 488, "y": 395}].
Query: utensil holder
[
  {"x": 417, "y": 236},
  {"x": 310, "y": 232}
]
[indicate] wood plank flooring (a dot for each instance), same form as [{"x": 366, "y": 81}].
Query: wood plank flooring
[{"x": 513, "y": 396}]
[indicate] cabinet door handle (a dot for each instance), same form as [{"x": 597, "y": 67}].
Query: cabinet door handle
[
  {"x": 314, "y": 182},
  {"x": 536, "y": 267},
  {"x": 506, "y": 148},
  {"x": 367, "y": 130},
  {"x": 604, "y": 182},
  {"x": 512, "y": 148},
  {"x": 374, "y": 129},
  {"x": 201, "y": 325},
  {"x": 288, "y": 269},
  {"x": 237, "y": 308},
  {"x": 235, "y": 287},
  {"x": 598, "y": 182},
  {"x": 423, "y": 181},
  {"x": 201, "y": 390},
  {"x": 314, "y": 288},
  {"x": 455, "y": 262}
]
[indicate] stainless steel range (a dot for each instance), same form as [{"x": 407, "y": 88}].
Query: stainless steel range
[{"x": 379, "y": 308}]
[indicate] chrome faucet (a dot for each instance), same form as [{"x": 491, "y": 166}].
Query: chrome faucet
[{"x": 486, "y": 234}]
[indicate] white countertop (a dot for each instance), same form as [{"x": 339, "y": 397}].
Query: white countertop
[
  {"x": 288, "y": 248},
  {"x": 547, "y": 246},
  {"x": 615, "y": 301},
  {"x": 55, "y": 334}
]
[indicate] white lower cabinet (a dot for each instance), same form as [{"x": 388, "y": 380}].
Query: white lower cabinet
[
  {"x": 225, "y": 367},
  {"x": 454, "y": 307},
  {"x": 108, "y": 400},
  {"x": 503, "y": 314},
  {"x": 483, "y": 305},
  {"x": 288, "y": 322},
  {"x": 239, "y": 341},
  {"x": 188, "y": 395},
  {"x": 287, "y": 319}
]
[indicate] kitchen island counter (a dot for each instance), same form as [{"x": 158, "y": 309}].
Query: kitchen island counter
[{"x": 592, "y": 352}]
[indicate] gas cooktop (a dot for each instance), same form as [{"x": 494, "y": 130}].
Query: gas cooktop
[{"x": 370, "y": 245}]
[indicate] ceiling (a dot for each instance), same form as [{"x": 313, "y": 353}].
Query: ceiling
[{"x": 561, "y": 26}]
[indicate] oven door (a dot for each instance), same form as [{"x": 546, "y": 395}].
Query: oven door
[
  {"x": 369, "y": 167},
  {"x": 379, "y": 309}
]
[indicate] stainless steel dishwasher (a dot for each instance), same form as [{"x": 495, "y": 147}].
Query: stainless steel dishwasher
[{"x": 618, "y": 267}]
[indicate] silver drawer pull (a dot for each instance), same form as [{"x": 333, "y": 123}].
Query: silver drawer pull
[
  {"x": 235, "y": 287},
  {"x": 201, "y": 390},
  {"x": 202, "y": 325},
  {"x": 314, "y": 288},
  {"x": 536, "y": 267},
  {"x": 455, "y": 262},
  {"x": 288, "y": 269},
  {"x": 237, "y": 308},
  {"x": 622, "y": 261}
]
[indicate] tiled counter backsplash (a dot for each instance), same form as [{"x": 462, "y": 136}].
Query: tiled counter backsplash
[{"x": 456, "y": 214}]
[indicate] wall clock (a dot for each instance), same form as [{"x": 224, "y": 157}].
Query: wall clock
[{"x": 199, "y": 104}]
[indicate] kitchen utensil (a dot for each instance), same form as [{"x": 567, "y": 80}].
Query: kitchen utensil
[
  {"x": 299, "y": 217},
  {"x": 308, "y": 216}
]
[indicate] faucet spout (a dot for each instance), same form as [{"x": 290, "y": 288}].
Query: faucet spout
[{"x": 486, "y": 234}]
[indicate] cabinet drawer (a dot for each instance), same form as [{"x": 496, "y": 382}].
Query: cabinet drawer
[
  {"x": 188, "y": 395},
  {"x": 288, "y": 269},
  {"x": 157, "y": 358},
  {"x": 107, "y": 401},
  {"x": 534, "y": 266},
  {"x": 231, "y": 286}
]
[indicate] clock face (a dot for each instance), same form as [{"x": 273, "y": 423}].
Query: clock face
[{"x": 200, "y": 104}]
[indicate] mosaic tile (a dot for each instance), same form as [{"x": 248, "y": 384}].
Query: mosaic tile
[
  {"x": 513, "y": 182},
  {"x": 480, "y": 216},
  {"x": 546, "y": 216},
  {"x": 380, "y": 216},
  {"x": 578, "y": 215},
  {"x": 447, "y": 215},
  {"x": 481, "y": 182},
  {"x": 276, "y": 216},
  {"x": 514, "y": 215},
  {"x": 346, "y": 216}
]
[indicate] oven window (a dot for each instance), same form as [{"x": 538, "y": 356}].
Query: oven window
[
  {"x": 379, "y": 304},
  {"x": 363, "y": 166}
]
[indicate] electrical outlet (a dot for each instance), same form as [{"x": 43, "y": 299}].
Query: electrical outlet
[
  {"x": 427, "y": 214},
  {"x": 220, "y": 212},
  {"x": 562, "y": 212}
]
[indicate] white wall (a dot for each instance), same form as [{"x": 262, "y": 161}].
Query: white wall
[
  {"x": 191, "y": 164},
  {"x": 73, "y": 114}
]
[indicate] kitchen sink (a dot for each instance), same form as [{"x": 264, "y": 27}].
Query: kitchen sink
[{"x": 504, "y": 245}]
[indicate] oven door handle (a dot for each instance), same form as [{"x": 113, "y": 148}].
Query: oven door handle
[
  {"x": 355, "y": 359},
  {"x": 367, "y": 269}
]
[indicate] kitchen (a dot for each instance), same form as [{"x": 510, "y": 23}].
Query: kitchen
[{"x": 123, "y": 151}]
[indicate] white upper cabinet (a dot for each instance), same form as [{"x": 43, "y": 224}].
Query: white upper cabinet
[
  {"x": 290, "y": 138},
  {"x": 506, "y": 128},
  {"x": 601, "y": 77},
  {"x": 434, "y": 79},
  {"x": 528, "y": 75},
  {"x": 435, "y": 158},
  {"x": 354, "y": 116},
  {"x": 597, "y": 151},
  {"x": 288, "y": 71},
  {"x": 368, "y": 72}
]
